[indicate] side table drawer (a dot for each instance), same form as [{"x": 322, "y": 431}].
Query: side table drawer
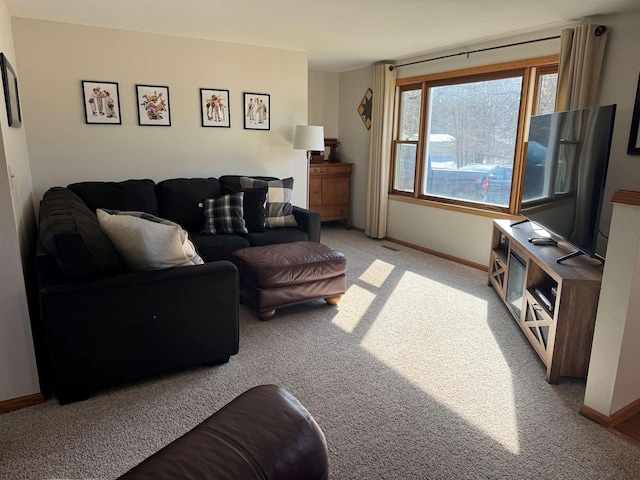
[{"x": 334, "y": 170}]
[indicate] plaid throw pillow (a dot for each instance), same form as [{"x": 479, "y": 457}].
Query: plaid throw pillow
[
  {"x": 224, "y": 214},
  {"x": 278, "y": 210}
]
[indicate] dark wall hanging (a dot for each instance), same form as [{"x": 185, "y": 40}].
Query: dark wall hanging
[
  {"x": 11, "y": 97},
  {"x": 365, "y": 108},
  {"x": 634, "y": 135}
]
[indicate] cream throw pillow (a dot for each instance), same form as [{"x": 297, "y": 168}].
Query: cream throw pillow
[{"x": 146, "y": 242}]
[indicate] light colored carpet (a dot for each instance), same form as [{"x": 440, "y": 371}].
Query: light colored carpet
[{"x": 419, "y": 372}]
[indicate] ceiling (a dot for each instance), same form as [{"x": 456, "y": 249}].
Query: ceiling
[{"x": 338, "y": 35}]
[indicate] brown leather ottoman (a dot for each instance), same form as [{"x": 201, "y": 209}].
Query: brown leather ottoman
[{"x": 275, "y": 276}]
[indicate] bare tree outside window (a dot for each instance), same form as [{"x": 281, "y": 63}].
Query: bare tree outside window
[
  {"x": 481, "y": 121},
  {"x": 547, "y": 93}
]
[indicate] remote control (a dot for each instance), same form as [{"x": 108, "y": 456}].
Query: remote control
[{"x": 543, "y": 241}]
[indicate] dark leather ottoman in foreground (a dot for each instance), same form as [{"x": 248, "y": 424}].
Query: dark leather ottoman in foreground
[
  {"x": 276, "y": 276},
  {"x": 265, "y": 434}
]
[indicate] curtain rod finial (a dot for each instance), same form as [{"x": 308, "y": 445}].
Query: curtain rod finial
[{"x": 600, "y": 30}]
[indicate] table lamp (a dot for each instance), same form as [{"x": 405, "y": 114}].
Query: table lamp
[{"x": 309, "y": 138}]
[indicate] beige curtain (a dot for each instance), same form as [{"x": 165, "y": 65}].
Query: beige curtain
[
  {"x": 581, "y": 55},
  {"x": 384, "y": 84}
]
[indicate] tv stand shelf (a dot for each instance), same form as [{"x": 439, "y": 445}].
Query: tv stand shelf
[{"x": 554, "y": 304}]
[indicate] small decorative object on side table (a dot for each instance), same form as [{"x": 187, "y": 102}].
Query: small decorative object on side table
[{"x": 333, "y": 144}]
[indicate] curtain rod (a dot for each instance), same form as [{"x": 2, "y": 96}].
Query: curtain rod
[{"x": 393, "y": 67}]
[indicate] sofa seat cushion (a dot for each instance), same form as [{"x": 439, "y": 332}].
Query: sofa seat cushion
[
  {"x": 147, "y": 242},
  {"x": 130, "y": 195},
  {"x": 277, "y": 235},
  {"x": 217, "y": 247},
  {"x": 179, "y": 200},
  {"x": 71, "y": 234}
]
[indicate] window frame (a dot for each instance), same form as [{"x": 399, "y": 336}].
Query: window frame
[{"x": 529, "y": 69}]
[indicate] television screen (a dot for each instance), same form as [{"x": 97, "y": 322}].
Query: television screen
[{"x": 565, "y": 171}]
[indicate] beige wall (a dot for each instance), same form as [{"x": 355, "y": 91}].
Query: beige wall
[
  {"x": 614, "y": 378},
  {"x": 618, "y": 85},
  {"x": 627, "y": 387},
  {"x": 55, "y": 57},
  {"x": 18, "y": 373},
  {"x": 323, "y": 101},
  {"x": 354, "y": 138}
]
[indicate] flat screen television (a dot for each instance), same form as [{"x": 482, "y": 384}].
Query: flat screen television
[{"x": 565, "y": 173}]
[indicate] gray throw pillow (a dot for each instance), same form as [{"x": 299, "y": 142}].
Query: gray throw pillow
[
  {"x": 146, "y": 242},
  {"x": 278, "y": 210}
]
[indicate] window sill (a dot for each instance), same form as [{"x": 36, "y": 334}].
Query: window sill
[{"x": 455, "y": 208}]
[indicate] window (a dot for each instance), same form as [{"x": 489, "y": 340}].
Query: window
[
  {"x": 459, "y": 137},
  {"x": 546, "y": 86},
  {"x": 406, "y": 146}
]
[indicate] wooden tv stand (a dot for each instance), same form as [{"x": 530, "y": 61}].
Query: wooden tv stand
[{"x": 554, "y": 304}]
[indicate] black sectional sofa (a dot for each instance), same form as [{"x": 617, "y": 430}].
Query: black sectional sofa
[{"x": 104, "y": 325}]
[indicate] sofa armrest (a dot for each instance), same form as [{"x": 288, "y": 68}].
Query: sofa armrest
[
  {"x": 116, "y": 329},
  {"x": 309, "y": 221}
]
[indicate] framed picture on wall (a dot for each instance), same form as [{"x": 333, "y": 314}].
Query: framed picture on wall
[
  {"x": 214, "y": 107},
  {"x": 634, "y": 135},
  {"x": 153, "y": 105},
  {"x": 257, "y": 111},
  {"x": 11, "y": 97},
  {"x": 101, "y": 102}
]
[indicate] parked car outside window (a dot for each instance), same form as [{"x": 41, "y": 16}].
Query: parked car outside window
[{"x": 476, "y": 182}]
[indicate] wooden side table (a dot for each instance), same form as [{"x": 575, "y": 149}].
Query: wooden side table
[{"x": 330, "y": 191}]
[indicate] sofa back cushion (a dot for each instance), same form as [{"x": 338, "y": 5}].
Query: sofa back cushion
[
  {"x": 231, "y": 183},
  {"x": 179, "y": 200},
  {"x": 71, "y": 234},
  {"x": 130, "y": 195}
]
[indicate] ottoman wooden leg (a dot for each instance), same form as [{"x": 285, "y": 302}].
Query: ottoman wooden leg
[
  {"x": 333, "y": 300},
  {"x": 266, "y": 315}
]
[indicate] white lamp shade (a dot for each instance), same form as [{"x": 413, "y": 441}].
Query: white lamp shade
[{"x": 309, "y": 137}]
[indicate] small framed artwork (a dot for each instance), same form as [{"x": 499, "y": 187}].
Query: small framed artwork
[
  {"x": 101, "y": 102},
  {"x": 11, "y": 97},
  {"x": 214, "y": 106},
  {"x": 257, "y": 111},
  {"x": 634, "y": 135},
  {"x": 153, "y": 105}
]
